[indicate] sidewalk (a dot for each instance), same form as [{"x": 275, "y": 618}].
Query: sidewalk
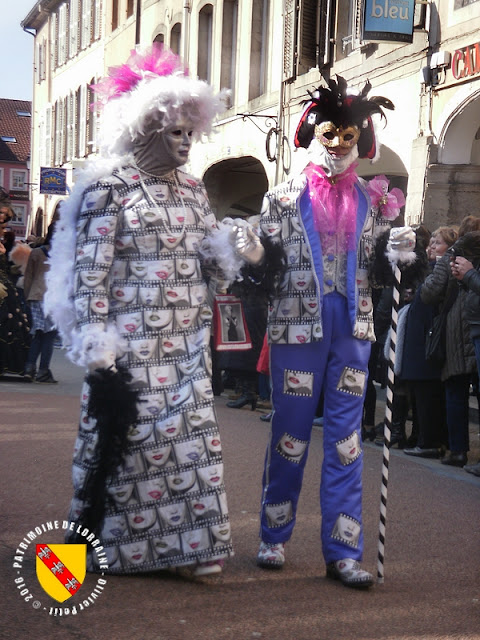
[{"x": 69, "y": 378}]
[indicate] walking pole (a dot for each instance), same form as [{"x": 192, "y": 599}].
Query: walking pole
[
  {"x": 387, "y": 426},
  {"x": 400, "y": 248}
]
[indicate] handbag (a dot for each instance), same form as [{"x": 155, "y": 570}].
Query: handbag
[
  {"x": 230, "y": 331},
  {"x": 436, "y": 338}
]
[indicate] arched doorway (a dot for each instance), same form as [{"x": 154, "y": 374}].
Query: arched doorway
[
  {"x": 452, "y": 185},
  {"x": 236, "y": 187},
  {"x": 37, "y": 228}
]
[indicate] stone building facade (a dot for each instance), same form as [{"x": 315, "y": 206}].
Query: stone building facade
[{"x": 270, "y": 53}]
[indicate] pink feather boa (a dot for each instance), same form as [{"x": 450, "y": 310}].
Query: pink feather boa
[{"x": 334, "y": 203}]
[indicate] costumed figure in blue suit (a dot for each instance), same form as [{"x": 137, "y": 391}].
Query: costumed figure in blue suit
[{"x": 317, "y": 246}]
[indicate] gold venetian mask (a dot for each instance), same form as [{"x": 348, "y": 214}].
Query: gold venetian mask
[{"x": 331, "y": 136}]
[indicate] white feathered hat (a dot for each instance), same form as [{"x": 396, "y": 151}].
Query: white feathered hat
[{"x": 152, "y": 80}]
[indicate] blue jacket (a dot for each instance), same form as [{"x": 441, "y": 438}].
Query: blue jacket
[{"x": 296, "y": 313}]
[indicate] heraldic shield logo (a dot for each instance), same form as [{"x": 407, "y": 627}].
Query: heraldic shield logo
[{"x": 61, "y": 569}]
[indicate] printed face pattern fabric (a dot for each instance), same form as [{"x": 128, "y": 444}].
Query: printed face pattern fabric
[{"x": 137, "y": 266}]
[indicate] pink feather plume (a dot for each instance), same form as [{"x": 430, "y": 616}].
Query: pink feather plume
[{"x": 154, "y": 61}]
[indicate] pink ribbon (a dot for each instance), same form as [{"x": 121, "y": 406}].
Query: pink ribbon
[{"x": 388, "y": 202}]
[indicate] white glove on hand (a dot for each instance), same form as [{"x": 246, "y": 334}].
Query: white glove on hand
[
  {"x": 247, "y": 244},
  {"x": 402, "y": 239},
  {"x": 401, "y": 246},
  {"x": 99, "y": 351}
]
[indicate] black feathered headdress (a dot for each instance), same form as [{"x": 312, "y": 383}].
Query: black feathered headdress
[{"x": 334, "y": 105}]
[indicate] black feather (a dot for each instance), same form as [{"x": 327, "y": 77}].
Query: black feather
[
  {"x": 269, "y": 274},
  {"x": 113, "y": 404}
]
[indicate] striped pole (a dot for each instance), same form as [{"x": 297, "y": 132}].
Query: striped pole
[{"x": 387, "y": 426}]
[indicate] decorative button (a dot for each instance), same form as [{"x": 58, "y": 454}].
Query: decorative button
[
  {"x": 331, "y": 257},
  {"x": 329, "y": 282}
]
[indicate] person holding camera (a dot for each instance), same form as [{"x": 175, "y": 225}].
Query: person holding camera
[
  {"x": 441, "y": 288},
  {"x": 466, "y": 271}
]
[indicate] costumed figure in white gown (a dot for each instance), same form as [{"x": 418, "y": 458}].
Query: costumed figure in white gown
[{"x": 148, "y": 472}]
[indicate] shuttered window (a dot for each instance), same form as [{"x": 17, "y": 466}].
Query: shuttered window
[{"x": 62, "y": 34}]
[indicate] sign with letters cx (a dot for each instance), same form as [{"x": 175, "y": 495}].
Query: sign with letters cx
[
  {"x": 390, "y": 20},
  {"x": 53, "y": 181}
]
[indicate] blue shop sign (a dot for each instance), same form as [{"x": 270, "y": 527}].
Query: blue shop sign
[
  {"x": 390, "y": 20},
  {"x": 53, "y": 181}
]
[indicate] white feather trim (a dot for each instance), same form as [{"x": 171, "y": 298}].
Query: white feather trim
[
  {"x": 59, "y": 296},
  {"x": 96, "y": 347},
  {"x": 400, "y": 257},
  {"x": 218, "y": 247}
]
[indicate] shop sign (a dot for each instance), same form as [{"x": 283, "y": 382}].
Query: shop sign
[
  {"x": 466, "y": 61},
  {"x": 53, "y": 181},
  {"x": 390, "y": 20}
]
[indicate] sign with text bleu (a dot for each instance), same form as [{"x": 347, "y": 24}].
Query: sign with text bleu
[
  {"x": 53, "y": 181},
  {"x": 390, "y": 20}
]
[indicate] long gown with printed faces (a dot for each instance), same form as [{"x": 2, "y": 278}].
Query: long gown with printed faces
[{"x": 137, "y": 265}]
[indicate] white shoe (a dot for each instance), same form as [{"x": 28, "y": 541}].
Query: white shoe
[
  {"x": 208, "y": 568},
  {"x": 271, "y": 555},
  {"x": 350, "y": 573}
]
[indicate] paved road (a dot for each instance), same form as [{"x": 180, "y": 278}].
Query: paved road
[{"x": 431, "y": 589}]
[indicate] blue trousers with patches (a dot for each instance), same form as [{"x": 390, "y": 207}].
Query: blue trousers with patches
[{"x": 338, "y": 364}]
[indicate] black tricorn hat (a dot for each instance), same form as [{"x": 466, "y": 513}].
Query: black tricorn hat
[{"x": 334, "y": 105}]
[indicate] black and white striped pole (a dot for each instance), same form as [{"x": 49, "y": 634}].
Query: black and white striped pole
[{"x": 387, "y": 425}]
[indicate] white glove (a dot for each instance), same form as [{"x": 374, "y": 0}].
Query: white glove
[
  {"x": 402, "y": 239},
  {"x": 247, "y": 244},
  {"x": 99, "y": 350},
  {"x": 401, "y": 246}
]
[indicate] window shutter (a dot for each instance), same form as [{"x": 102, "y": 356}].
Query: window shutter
[
  {"x": 289, "y": 21},
  {"x": 56, "y": 153},
  {"x": 82, "y": 122},
  {"x": 38, "y": 57},
  {"x": 42, "y": 142},
  {"x": 69, "y": 127},
  {"x": 307, "y": 36},
  {"x": 325, "y": 21},
  {"x": 53, "y": 42},
  {"x": 357, "y": 26},
  {"x": 73, "y": 34},
  {"x": 97, "y": 29},
  {"x": 86, "y": 23},
  {"x": 47, "y": 158},
  {"x": 62, "y": 34}
]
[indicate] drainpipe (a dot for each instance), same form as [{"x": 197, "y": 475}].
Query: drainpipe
[
  {"x": 186, "y": 30},
  {"x": 28, "y": 226},
  {"x": 138, "y": 19}
]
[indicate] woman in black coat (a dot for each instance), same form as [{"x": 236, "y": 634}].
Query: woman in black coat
[
  {"x": 460, "y": 360},
  {"x": 425, "y": 386}
]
